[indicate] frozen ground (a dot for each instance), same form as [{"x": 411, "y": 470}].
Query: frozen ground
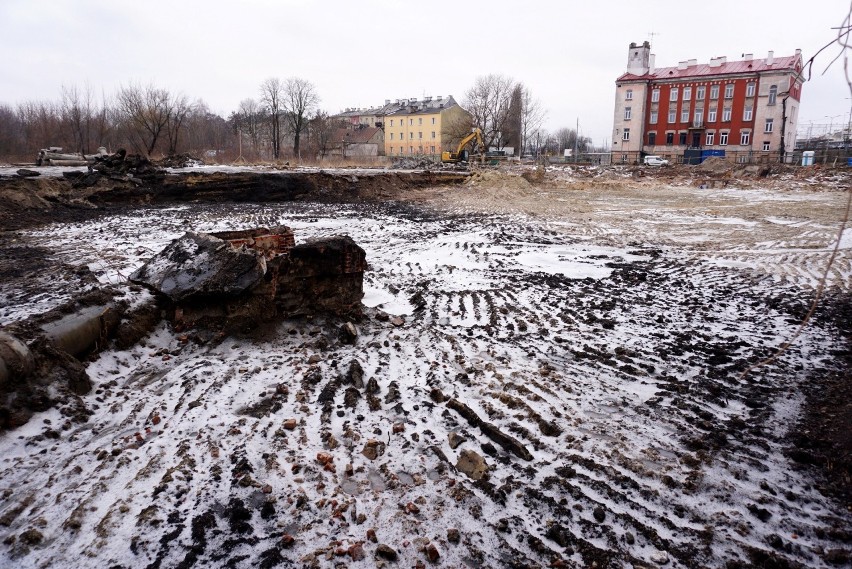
[{"x": 605, "y": 333}]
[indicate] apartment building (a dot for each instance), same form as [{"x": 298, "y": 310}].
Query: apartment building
[
  {"x": 418, "y": 127},
  {"x": 746, "y": 110}
]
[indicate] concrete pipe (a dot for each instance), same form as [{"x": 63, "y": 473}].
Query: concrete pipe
[
  {"x": 16, "y": 360},
  {"x": 80, "y": 332}
]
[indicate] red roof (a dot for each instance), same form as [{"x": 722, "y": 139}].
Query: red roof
[
  {"x": 792, "y": 63},
  {"x": 361, "y": 135}
]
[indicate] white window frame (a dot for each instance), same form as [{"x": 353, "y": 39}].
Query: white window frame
[
  {"x": 628, "y": 95},
  {"x": 687, "y": 93},
  {"x": 723, "y": 139},
  {"x": 745, "y": 137},
  {"x": 710, "y": 137},
  {"x": 729, "y": 91},
  {"x": 684, "y": 114},
  {"x": 672, "y": 116},
  {"x": 625, "y": 135},
  {"x": 769, "y": 125},
  {"x": 711, "y": 115},
  {"x": 726, "y": 114},
  {"x": 673, "y": 94},
  {"x": 773, "y": 95},
  {"x": 627, "y": 112},
  {"x": 766, "y": 146},
  {"x": 750, "y": 89},
  {"x": 699, "y": 93},
  {"x": 654, "y": 117},
  {"x": 714, "y": 92},
  {"x": 698, "y": 117},
  {"x": 747, "y": 113},
  {"x": 655, "y": 96}
]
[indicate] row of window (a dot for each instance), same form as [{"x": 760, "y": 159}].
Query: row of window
[
  {"x": 709, "y": 140},
  {"x": 411, "y": 121},
  {"x": 411, "y": 135},
  {"x": 700, "y": 93},
  {"x": 401, "y": 150},
  {"x": 698, "y": 116}
]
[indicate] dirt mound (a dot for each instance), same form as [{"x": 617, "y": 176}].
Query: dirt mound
[
  {"x": 488, "y": 179},
  {"x": 716, "y": 166}
]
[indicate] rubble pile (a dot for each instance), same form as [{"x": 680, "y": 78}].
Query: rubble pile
[
  {"x": 180, "y": 161},
  {"x": 237, "y": 280}
]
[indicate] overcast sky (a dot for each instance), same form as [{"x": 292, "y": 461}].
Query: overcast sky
[{"x": 360, "y": 52}]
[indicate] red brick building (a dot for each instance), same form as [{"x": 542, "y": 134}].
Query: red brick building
[{"x": 746, "y": 109}]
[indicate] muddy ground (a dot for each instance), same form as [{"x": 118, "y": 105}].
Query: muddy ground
[{"x": 579, "y": 335}]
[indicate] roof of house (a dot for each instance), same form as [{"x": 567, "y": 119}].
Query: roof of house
[
  {"x": 402, "y": 106},
  {"x": 789, "y": 63},
  {"x": 362, "y": 135}
]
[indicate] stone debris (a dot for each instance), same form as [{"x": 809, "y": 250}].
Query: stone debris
[{"x": 472, "y": 464}]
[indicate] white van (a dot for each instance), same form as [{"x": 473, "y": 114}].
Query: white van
[{"x": 655, "y": 161}]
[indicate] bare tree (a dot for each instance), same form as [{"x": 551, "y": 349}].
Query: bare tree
[
  {"x": 179, "y": 109},
  {"x": 300, "y": 99},
  {"x": 320, "y": 130},
  {"x": 146, "y": 113},
  {"x": 532, "y": 116},
  {"x": 271, "y": 93},
  {"x": 488, "y": 103},
  {"x": 247, "y": 120}
]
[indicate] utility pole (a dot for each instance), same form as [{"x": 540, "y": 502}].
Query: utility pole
[{"x": 576, "y": 138}]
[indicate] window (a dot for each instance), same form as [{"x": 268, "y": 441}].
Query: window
[
  {"x": 714, "y": 91},
  {"x": 432, "y": 149},
  {"x": 710, "y": 138},
  {"x": 698, "y": 117},
  {"x": 745, "y": 138},
  {"x": 420, "y": 134},
  {"x": 723, "y": 138},
  {"x": 411, "y": 150},
  {"x": 391, "y": 122},
  {"x": 747, "y": 112},
  {"x": 729, "y": 91},
  {"x": 672, "y": 115},
  {"x": 673, "y": 94},
  {"x": 433, "y": 120},
  {"x": 629, "y": 95},
  {"x": 669, "y": 138},
  {"x": 749, "y": 89},
  {"x": 420, "y": 120},
  {"x": 699, "y": 93},
  {"x": 768, "y": 126},
  {"x": 766, "y": 146},
  {"x": 655, "y": 95},
  {"x": 652, "y": 138},
  {"x": 711, "y": 115},
  {"x": 411, "y": 135},
  {"x": 433, "y": 135},
  {"x": 726, "y": 114},
  {"x": 653, "y": 119},
  {"x": 401, "y": 136},
  {"x": 773, "y": 94},
  {"x": 391, "y": 136},
  {"x": 687, "y": 93},
  {"x": 627, "y": 111},
  {"x": 684, "y": 114},
  {"x": 626, "y": 134},
  {"x": 682, "y": 138}
]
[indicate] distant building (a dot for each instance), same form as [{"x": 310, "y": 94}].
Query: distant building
[
  {"x": 742, "y": 108},
  {"x": 420, "y": 127},
  {"x": 359, "y": 141}
]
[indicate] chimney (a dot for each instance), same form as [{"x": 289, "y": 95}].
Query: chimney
[
  {"x": 748, "y": 56},
  {"x": 770, "y": 59},
  {"x": 682, "y": 65},
  {"x": 387, "y": 101},
  {"x": 427, "y": 99},
  {"x": 693, "y": 62},
  {"x": 798, "y": 52},
  {"x": 440, "y": 97},
  {"x": 652, "y": 61}
]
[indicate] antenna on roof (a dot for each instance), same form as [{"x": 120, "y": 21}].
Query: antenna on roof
[{"x": 651, "y": 35}]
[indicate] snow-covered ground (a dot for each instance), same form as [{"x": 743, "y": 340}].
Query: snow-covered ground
[{"x": 610, "y": 346}]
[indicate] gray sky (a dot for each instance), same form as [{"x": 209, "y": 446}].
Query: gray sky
[{"x": 359, "y": 53}]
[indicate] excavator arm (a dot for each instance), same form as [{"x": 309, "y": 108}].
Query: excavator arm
[{"x": 458, "y": 155}]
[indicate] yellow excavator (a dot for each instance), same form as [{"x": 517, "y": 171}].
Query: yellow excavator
[{"x": 461, "y": 155}]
